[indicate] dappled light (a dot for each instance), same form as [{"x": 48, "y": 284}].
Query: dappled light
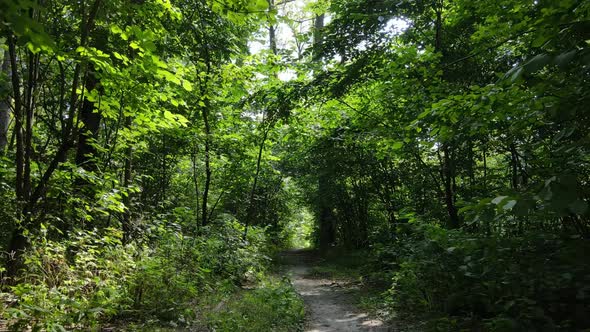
[{"x": 295, "y": 165}]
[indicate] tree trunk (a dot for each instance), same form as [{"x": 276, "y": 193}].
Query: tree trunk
[
  {"x": 18, "y": 121},
  {"x": 196, "y": 184},
  {"x": 251, "y": 206},
  {"x": 29, "y": 106},
  {"x": 447, "y": 172},
  {"x": 448, "y": 176},
  {"x": 438, "y": 35},
  {"x": 204, "y": 214},
  {"x": 4, "y": 107},
  {"x": 272, "y": 29},
  {"x": 485, "y": 169},
  {"x": 126, "y": 223},
  {"x": 90, "y": 120},
  {"x": 514, "y": 165},
  {"x": 326, "y": 217},
  {"x": 27, "y": 199},
  {"x": 327, "y": 236},
  {"x": 317, "y": 36}
]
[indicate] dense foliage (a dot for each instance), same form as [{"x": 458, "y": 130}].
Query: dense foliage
[
  {"x": 154, "y": 154},
  {"x": 456, "y": 148}
]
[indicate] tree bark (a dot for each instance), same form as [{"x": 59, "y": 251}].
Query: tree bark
[
  {"x": 485, "y": 169},
  {"x": 272, "y": 29},
  {"x": 196, "y": 184},
  {"x": 326, "y": 217},
  {"x": 126, "y": 222},
  {"x": 90, "y": 120},
  {"x": 448, "y": 177},
  {"x": 250, "y": 214},
  {"x": 447, "y": 172},
  {"x": 204, "y": 214},
  {"x": 514, "y": 165},
  {"x": 29, "y": 106},
  {"x": 317, "y": 36},
  {"x": 4, "y": 107},
  {"x": 27, "y": 198},
  {"x": 18, "y": 121}
]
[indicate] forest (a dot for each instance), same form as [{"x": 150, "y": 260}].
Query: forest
[{"x": 160, "y": 160}]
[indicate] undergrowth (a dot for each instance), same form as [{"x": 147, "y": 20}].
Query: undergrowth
[
  {"x": 273, "y": 306},
  {"x": 458, "y": 281},
  {"x": 426, "y": 278},
  {"x": 94, "y": 280}
]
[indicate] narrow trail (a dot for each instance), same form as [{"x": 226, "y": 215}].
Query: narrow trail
[{"x": 330, "y": 305}]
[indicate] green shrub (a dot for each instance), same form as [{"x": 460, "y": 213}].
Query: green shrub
[
  {"x": 92, "y": 277},
  {"x": 71, "y": 284},
  {"x": 534, "y": 282},
  {"x": 178, "y": 270}
]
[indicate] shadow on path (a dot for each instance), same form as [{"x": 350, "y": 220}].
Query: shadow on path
[{"x": 329, "y": 304}]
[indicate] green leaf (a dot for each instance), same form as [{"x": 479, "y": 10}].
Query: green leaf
[
  {"x": 168, "y": 76},
  {"x": 564, "y": 59},
  {"x": 169, "y": 116},
  {"x": 134, "y": 45},
  {"x": 540, "y": 40},
  {"x": 187, "y": 85},
  {"x": 499, "y": 199},
  {"x": 397, "y": 145},
  {"x": 509, "y": 205},
  {"x": 116, "y": 29},
  {"x": 537, "y": 62}
]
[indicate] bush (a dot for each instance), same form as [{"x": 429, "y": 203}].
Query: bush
[
  {"x": 180, "y": 269},
  {"x": 71, "y": 284},
  {"x": 534, "y": 282},
  {"x": 92, "y": 277}
]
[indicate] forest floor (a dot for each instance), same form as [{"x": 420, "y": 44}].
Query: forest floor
[{"x": 331, "y": 303}]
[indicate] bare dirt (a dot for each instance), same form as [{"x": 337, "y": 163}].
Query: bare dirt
[{"x": 329, "y": 303}]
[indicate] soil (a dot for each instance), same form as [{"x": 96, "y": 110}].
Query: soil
[{"x": 330, "y": 303}]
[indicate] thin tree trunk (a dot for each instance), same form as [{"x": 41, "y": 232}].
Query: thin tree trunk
[
  {"x": 485, "y": 169},
  {"x": 471, "y": 167},
  {"x": 5, "y": 107},
  {"x": 27, "y": 199},
  {"x": 90, "y": 120},
  {"x": 18, "y": 121},
  {"x": 317, "y": 36},
  {"x": 204, "y": 214},
  {"x": 273, "y": 47},
  {"x": 326, "y": 218},
  {"x": 272, "y": 29},
  {"x": 438, "y": 36},
  {"x": 17, "y": 240},
  {"x": 196, "y": 183},
  {"x": 447, "y": 171},
  {"x": 327, "y": 231},
  {"x": 163, "y": 168},
  {"x": 250, "y": 214},
  {"x": 28, "y": 130},
  {"x": 126, "y": 224},
  {"x": 448, "y": 177},
  {"x": 514, "y": 165}
]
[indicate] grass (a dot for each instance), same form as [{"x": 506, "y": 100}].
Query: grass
[
  {"x": 272, "y": 306},
  {"x": 339, "y": 265}
]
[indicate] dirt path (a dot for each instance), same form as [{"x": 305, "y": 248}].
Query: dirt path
[{"x": 329, "y": 303}]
